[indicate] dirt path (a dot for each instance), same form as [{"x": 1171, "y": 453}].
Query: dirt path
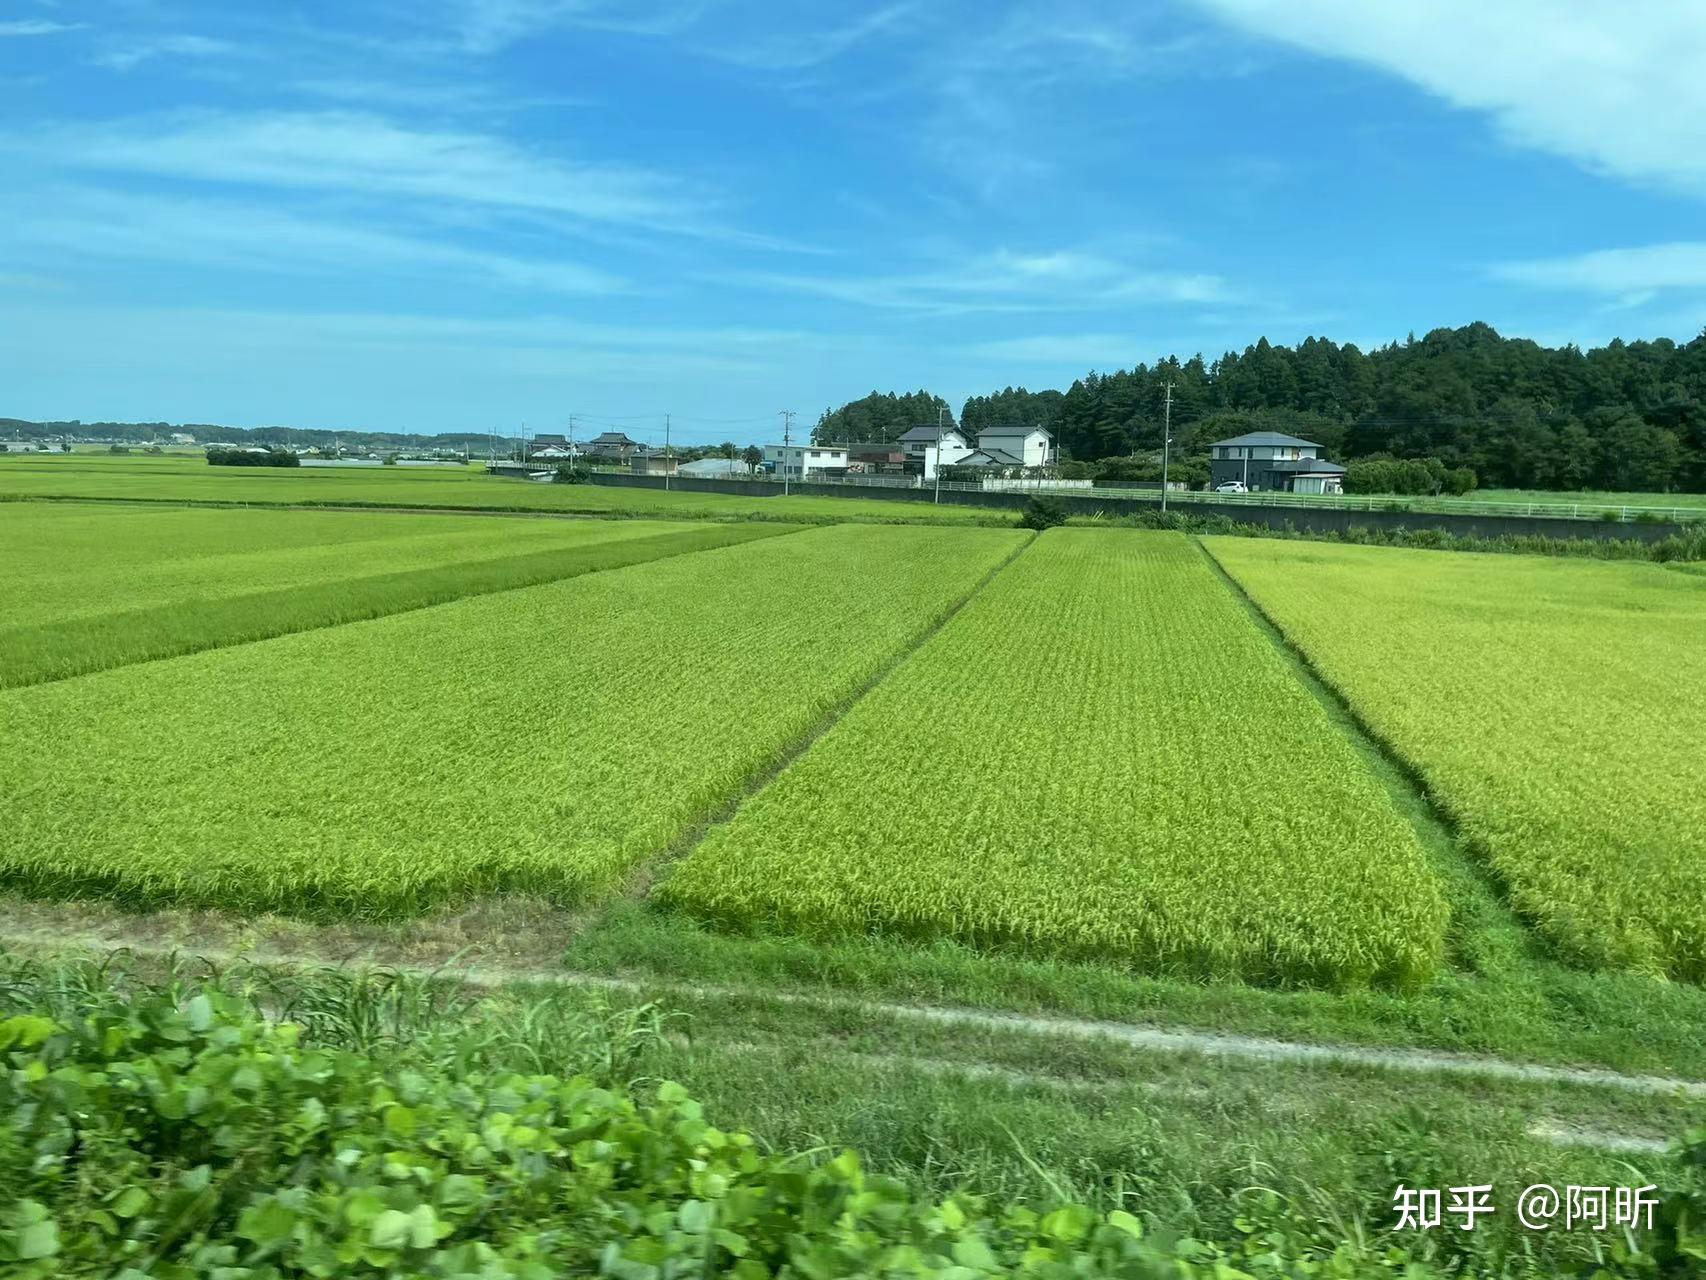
[{"x": 1140, "y": 1039}]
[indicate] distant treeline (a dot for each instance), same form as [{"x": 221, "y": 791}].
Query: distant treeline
[
  {"x": 252, "y": 458},
  {"x": 1626, "y": 416},
  {"x": 1629, "y": 416},
  {"x": 212, "y": 433},
  {"x": 1505, "y": 412}
]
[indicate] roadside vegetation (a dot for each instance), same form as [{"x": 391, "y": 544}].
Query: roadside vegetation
[{"x": 256, "y": 1122}]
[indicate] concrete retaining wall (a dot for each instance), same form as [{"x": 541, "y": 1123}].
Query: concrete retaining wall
[{"x": 1311, "y": 519}]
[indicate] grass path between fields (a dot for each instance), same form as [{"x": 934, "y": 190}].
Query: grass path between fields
[{"x": 56, "y": 931}]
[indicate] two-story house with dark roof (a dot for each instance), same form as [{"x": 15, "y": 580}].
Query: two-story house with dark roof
[
  {"x": 612, "y": 444},
  {"x": 1274, "y": 462}
]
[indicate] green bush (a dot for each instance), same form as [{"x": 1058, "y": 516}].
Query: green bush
[
  {"x": 569, "y": 473},
  {"x": 1042, "y": 512},
  {"x": 244, "y": 458}
]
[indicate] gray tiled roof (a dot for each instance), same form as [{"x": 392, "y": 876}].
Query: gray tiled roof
[
  {"x": 927, "y": 435},
  {"x": 1265, "y": 437}
]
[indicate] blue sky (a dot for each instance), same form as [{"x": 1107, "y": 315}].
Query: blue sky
[{"x": 465, "y": 214}]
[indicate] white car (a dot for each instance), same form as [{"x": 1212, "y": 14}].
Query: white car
[{"x": 1231, "y": 486}]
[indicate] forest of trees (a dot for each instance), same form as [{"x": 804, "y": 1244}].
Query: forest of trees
[
  {"x": 1014, "y": 407},
  {"x": 1628, "y": 416},
  {"x": 880, "y": 417}
]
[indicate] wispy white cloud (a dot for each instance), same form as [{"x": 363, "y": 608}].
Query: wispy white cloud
[
  {"x": 1075, "y": 351},
  {"x": 1615, "y": 88},
  {"x": 37, "y": 27},
  {"x": 367, "y": 156},
  {"x": 776, "y": 50},
  {"x": 126, "y": 54},
  {"x": 416, "y": 93},
  {"x": 1008, "y": 100},
  {"x": 761, "y": 37},
  {"x": 1630, "y": 276},
  {"x": 487, "y": 26},
  {"x": 1005, "y": 281},
  {"x": 236, "y": 236}
]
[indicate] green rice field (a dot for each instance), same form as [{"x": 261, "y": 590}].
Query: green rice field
[
  {"x": 1093, "y": 747},
  {"x": 544, "y": 739},
  {"x": 1150, "y": 783},
  {"x": 168, "y": 478},
  {"x": 125, "y": 584}
]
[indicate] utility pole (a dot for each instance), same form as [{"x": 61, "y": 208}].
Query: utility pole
[
  {"x": 666, "y": 454},
  {"x": 787, "y": 437},
  {"x": 939, "y": 412},
  {"x": 572, "y": 455},
  {"x": 1166, "y": 444}
]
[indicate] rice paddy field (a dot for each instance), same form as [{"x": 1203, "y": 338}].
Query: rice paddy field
[
  {"x": 1213, "y": 763},
  {"x": 126, "y": 584},
  {"x": 1101, "y": 754},
  {"x": 180, "y": 479},
  {"x": 1223, "y": 882},
  {"x": 544, "y": 739},
  {"x": 1556, "y": 709}
]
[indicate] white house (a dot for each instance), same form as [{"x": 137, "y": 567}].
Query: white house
[
  {"x": 1015, "y": 446},
  {"x": 929, "y": 447},
  {"x": 797, "y": 461}
]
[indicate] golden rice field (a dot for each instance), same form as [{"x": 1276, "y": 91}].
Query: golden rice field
[{"x": 1556, "y": 708}]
